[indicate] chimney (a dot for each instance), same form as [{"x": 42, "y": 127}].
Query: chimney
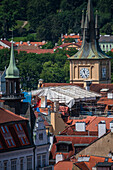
[
  {"x": 87, "y": 84},
  {"x": 43, "y": 101},
  {"x": 80, "y": 126},
  {"x": 40, "y": 83},
  {"x": 101, "y": 128},
  {"x": 56, "y": 106},
  {"x": 59, "y": 157}
]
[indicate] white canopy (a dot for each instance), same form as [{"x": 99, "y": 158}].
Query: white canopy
[{"x": 66, "y": 94}]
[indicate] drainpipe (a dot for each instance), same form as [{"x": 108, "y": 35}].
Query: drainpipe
[{"x": 34, "y": 156}]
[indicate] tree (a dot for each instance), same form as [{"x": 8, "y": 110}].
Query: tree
[{"x": 8, "y": 15}]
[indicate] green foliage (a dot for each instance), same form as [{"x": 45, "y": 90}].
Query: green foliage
[
  {"x": 50, "y": 18},
  {"x": 32, "y": 67},
  {"x": 49, "y": 45}
]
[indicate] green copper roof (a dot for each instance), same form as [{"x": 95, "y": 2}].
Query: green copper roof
[
  {"x": 90, "y": 48},
  {"x": 12, "y": 71}
]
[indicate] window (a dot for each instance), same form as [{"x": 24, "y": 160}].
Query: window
[
  {"x": 21, "y": 134},
  {"x": 43, "y": 160},
  {"x": 103, "y": 72},
  {"x": 13, "y": 164},
  {"x": 2, "y": 129},
  {"x": 41, "y": 136},
  {"x": 21, "y": 163},
  {"x": 18, "y": 127},
  {"x": 0, "y": 145},
  {"x": 5, "y": 165},
  {"x": 23, "y": 141},
  {"x": 29, "y": 163},
  {"x": 7, "y": 136},
  {"x": 63, "y": 147},
  {"x": 38, "y": 161}
]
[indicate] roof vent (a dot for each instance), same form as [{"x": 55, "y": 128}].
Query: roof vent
[{"x": 21, "y": 42}]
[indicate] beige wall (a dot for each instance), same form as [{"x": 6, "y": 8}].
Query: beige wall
[
  {"x": 57, "y": 123},
  {"x": 99, "y": 148},
  {"x": 95, "y": 70}
]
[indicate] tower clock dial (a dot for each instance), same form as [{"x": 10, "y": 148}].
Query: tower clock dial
[{"x": 84, "y": 72}]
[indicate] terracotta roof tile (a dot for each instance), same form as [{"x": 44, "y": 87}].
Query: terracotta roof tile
[
  {"x": 37, "y": 51},
  {"x": 63, "y": 165},
  {"x": 7, "y": 116},
  {"x": 61, "y": 84},
  {"x": 74, "y": 140},
  {"x": 98, "y": 87},
  {"x": 92, "y": 162}
]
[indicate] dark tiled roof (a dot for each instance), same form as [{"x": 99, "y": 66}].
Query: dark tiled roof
[
  {"x": 98, "y": 87},
  {"x": 61, "y": 84},
  {"x": 106, "y": 39}
]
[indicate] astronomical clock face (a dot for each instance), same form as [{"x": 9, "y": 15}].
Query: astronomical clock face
[{"x": 84, "y": 72}]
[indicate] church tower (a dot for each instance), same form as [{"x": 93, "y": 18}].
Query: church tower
[
  {"x": 12, "y": 98},
  {"x": 90, "y": 63}
]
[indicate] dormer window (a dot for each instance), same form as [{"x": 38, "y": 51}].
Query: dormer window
[
  {"x": 64, "y": 146},
  {"x": 21, "y": 134},
  {"x": 7, "y": 136}
]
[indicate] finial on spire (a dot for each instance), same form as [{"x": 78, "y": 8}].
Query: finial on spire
[
  {"x": 12, "y": 71},
  {"x": 82, "y": 24},
  {"x": 96, "y": 25},
  {"x": 86, "y": 27}
]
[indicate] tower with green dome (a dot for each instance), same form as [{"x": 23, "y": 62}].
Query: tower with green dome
[{"x": 12, "y": 98}]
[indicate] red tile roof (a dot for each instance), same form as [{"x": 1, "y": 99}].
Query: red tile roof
[
  {"x": 61, "y": 84},
  {"x": 91, "y": 123},
  {"x": 72, "y": 36},
  {"x": 7, "y": 43},
  {"x": 112, "y": 50},
  {"x": 74, "y": 140},
  {"x": 105, "y": 100},
  {"x": 98, "y": 87},
  {"x": 66, "y": 45},
  {"x": 37, "y": 51},
  {"x": 63, "y": 165},
  {"x": 7, "y": 116},
  {"x": 92, "y": 162},
  {"x": 31, "y": 43}
]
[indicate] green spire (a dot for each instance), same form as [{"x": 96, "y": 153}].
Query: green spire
[{"x": 12, "y": 71}]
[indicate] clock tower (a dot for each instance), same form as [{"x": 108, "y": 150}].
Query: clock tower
[{"x": 90, "y": 63}]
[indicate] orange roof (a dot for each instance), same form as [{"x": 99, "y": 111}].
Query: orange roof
[
  {"x": 112, "y": 50},
  {"x": 93, "y": 126},
  {"x": 105, "y": 100},
  {"x": 37, "y": 51},
  {"x": 63, "y": 165},
  {"x": 61, "y": 84},
  {"x": 8, "y": 116},
  {"x": 74, "y": 139},
  {"x": 92, "y": 162},
  {"x": 67, "y": 44},
  {"x": 87, "y": 120},
  {"x": 72, "y": 36},
  {"x": 27, "y": 44}
]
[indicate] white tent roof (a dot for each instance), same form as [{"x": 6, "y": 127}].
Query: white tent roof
[{"x": 66, "y": 94}]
